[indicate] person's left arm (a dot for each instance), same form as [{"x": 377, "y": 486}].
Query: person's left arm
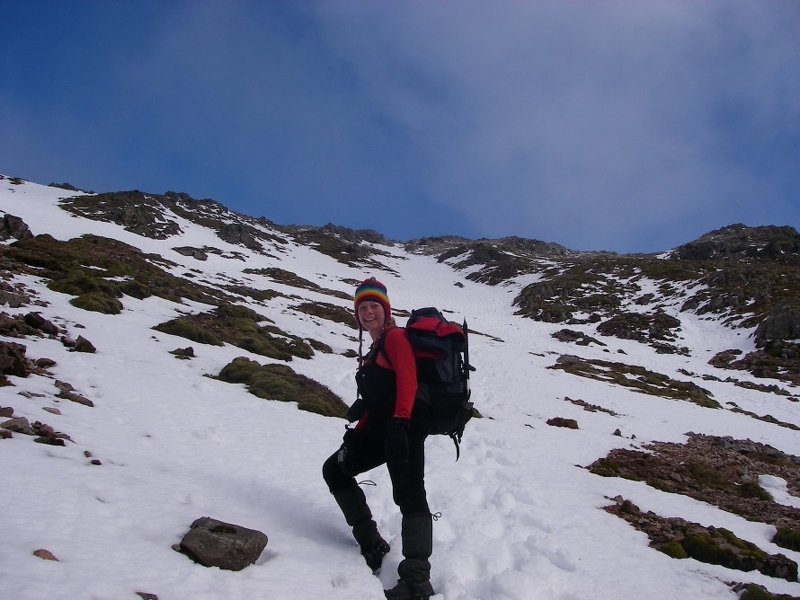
[{"x": 401, "y": 356}]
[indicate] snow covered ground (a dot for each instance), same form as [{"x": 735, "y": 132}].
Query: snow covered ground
[{"x": 520, "y": 516}]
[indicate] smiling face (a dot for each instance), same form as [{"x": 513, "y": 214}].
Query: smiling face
[{"x": 371, "y": 317}]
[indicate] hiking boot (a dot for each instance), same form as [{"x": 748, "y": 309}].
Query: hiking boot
[
  {"x": 357, "y": 514},
  {"x": 410, "y": 591},
  {"x": 373, "y": 552},
  {"x": 373, "y": 546}
]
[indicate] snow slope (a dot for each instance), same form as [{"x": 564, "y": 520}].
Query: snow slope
[{"x": 520, "y": 517}]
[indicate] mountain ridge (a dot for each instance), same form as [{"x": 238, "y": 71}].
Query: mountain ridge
[{"x": 267, "y": 310}]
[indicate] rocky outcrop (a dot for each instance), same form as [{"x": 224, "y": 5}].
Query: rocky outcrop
[
  {"x": 354, "y": 235},
  {"x": 683, "y": 539},
  {"x": 782, "y": 323},
  {"x": 768, "y": 243},
  {"x": 196, "y": 253},
  {"x": 239, "y": 234},
  {"x": 14, "y": 227},
  {"x": 139, "y": 213},
  {"x": 721, "y": 471}
]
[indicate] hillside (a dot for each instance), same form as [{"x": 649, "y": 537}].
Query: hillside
[{"x": 164, "y": 359}]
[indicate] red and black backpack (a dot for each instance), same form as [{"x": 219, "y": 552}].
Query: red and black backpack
[{"x": 441, "y": 349}]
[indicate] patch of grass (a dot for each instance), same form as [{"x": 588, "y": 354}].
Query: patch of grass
[
  {"x": 752, "y": 591},
  {"x": 637, "y": 378},
  {"x": 186, "y": 328},
  {"x": 84, "y": 282},
  {"x": 704, "y": 473},
  {"x": 719, "y": 547},
  {"x": 98, "y": 302},
  {"x": 752, "y": 489},
  {"x": 320, "y": 346},
  {"x": 605, "y": 467},
  {"x": 259, "y": 295},
  {"x": 281, "y": 382},
  {"x": 788, "y": 537},
  {"x": 682, "y": 539},
  {"x": 241, "y": 327},
  {"x": 93, "y": 293},
  {"x": 105, "y": 269},
  {"x": 292, "y": 279},
  {"x": 329, "y": 312},
  {"x": 672, "y": 549}
]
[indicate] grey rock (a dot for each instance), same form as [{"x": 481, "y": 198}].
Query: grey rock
[{"x": 213, "y": 543}]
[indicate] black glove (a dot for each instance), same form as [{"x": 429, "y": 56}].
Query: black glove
[
  {"x": 356, "y": 410},
  {"x": 396, "y": 443}
]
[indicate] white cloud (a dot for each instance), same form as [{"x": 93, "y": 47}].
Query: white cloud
[{"x": 618, "y": 125}]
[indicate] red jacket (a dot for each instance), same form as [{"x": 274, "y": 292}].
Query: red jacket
[{"x": 401, "y": 360}]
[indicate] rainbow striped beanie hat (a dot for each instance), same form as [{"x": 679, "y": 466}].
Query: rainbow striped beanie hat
[{"x": 373, "y": 290}]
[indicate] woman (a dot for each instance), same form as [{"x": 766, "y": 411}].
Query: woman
[{"x": 391, "y": 429}]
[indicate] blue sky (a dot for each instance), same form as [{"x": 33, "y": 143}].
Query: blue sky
[{"x": 617, "y": 125}]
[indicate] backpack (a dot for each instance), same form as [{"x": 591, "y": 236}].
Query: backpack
[{"x": 442, "y": 354}]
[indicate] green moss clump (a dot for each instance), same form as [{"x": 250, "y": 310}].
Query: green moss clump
[
  {"x": 754, "y": 592},
  {"x": 757, "y": 592},
  {"x": 704, "y": 473},
  {"x": 605, "y": 468},
  {"x": 751, "y": 489},
  {"x": 320, "y": 346},
  {"x": 82, "y": 282},
  {"x": 673, "y": 550},
  {"x": 185, "y": 328},
  {"x": 788, "y": 538},
  {"x": 241, "y": 327},
  {"x": 93, "y": 291},
  {"x": 135, "y": 289},
  {"x": 232, "y": 311},
  {"x": 721, "y": 548},
  {"x": 281, "y": 382},
  {"x": 98, "y": 302}
]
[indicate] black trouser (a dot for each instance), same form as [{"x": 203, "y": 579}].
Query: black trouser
[
  {"x": 408, "y": 490},
  {"x": 366, "y": 452}
]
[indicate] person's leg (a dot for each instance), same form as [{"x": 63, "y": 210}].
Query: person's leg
[
  {"x": 363, "y": 454},
  {"x": 408, "y": 484}
]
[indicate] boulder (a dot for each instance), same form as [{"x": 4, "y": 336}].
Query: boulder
[
  {"x": 67, "y": 392},
  {"x": 13, "y": 360},
  {"x": 84, "y": 345},
  {"x": 213, "y": 543},
  {"x": 18, "y": 425},
  {"x": 37, "y": 321},
  {"x": 14, "y": 227}
]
